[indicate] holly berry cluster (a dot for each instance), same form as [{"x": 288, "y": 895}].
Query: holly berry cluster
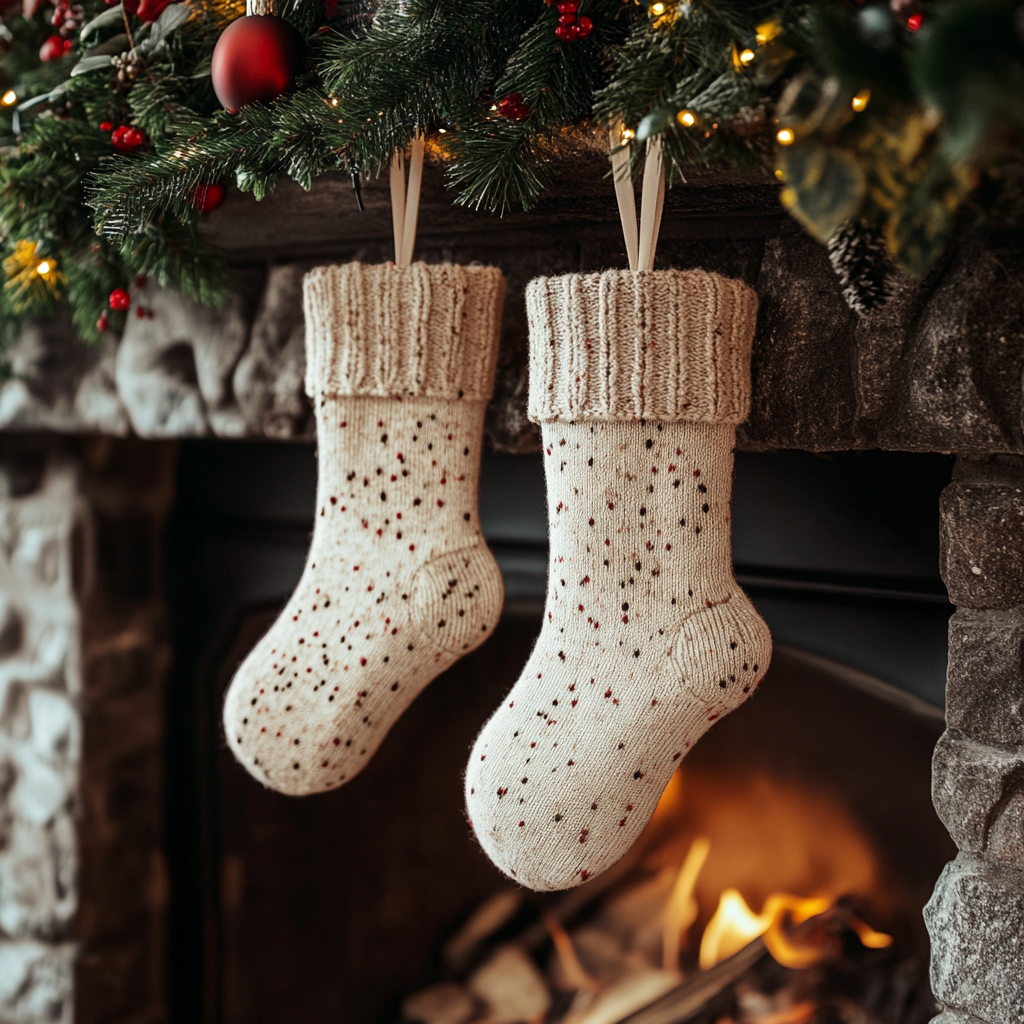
[
  {"x": 571, "y": 24},
  {"x": 124, "y": 138},
  {"x": 67, "y": 19},
  {"x": 513, "y": 107}
]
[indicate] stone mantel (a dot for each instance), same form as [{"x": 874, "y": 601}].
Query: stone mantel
[{"x": 939, "y": 368}]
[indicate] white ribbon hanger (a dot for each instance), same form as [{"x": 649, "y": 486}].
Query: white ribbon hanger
[
  {"x": 640, "y": 247},
  {"x": 405, "y": 207}
]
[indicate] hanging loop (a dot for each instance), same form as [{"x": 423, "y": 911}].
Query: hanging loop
[
  {"x": 405, "y": 205},
  {"x": 640, "y": 246}
]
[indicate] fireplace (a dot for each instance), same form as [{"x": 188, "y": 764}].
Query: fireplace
[
  {"x": 135, "y": 890},
  {"x": 346, "y": 905}
]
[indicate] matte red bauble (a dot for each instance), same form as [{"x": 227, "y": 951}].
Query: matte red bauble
[{"x": 255, "y": 60}]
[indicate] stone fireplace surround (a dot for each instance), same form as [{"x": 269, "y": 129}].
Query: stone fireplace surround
[{"x": 83, "y": 648}]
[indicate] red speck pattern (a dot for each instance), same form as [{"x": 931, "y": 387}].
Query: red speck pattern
[
  {"x": 589, "y": 737},
  {"x": 398, "y": 585}
]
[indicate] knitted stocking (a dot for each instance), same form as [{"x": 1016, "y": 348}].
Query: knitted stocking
[
  {"x": 398, "y": 582},
  {"x": 638, "y": 381}
]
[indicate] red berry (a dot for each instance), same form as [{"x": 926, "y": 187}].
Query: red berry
[
  {"x": 141, "y": 281},
  {"x": 146, "y": 10},
  {"x": 120, "y": 299},
  {"x": 914, "y": 22},
  {"x": 568, "y": 8},
  {"x": 106, "y": 126},
  {"x": 54, "y": 48},
  {"x": 207, "y": 198},
  {"x": 566, "y": 19},
  {"x": 126, "y": 138},
  {"x": 563, "y": 33},
  {"x": 585, "y": 25},
  {"x": 513, "y": 107},
  {"x": 140, "y": 313},
  {"x": 103, "y": 323}
]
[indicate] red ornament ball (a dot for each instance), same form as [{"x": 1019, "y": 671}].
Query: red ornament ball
[
  {"x": 255, "y": 60},
  {"x": 120, "y": 299},
  {"x": 207, "y": 198}
]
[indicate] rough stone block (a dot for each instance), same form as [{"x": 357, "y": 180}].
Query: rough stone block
[
  {"x": 970, "y": 781},
  {"x": 36, "y": 983},
  {"x": 1006, "y": 837},
  {"x": 985, "y": 677},
  {"x": 976, "y": 922},
  {"x": 38, "y": 867},
  {"x": 174, "y": 371},
  {"x": 955, "y": 1017},
  {"x": 270, "y": 377},
  {"x": 981, "y": 543},
  {"x": 804, "y": 392},
  {"x": 958, "y": 384}
]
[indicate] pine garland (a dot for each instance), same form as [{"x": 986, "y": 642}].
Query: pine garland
[{"x": 882, "y": 116}]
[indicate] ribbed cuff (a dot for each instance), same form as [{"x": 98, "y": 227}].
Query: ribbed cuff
[
  {"x": 429, "y": 331},
  {"x": 662, "y": 345}
]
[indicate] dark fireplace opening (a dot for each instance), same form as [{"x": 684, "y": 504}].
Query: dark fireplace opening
[{"x": 339, "y": 907}]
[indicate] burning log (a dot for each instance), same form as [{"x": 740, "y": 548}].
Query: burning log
[{"x": 512, "y": 988}]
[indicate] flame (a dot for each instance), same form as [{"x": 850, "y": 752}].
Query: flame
[
  {"x": 681, "y": 909},
  {"x": 868, "y": 936},
  {"x": 734, "y": 925}
]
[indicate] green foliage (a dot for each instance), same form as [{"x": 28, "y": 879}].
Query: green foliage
[{"x": 889, "y": 128}]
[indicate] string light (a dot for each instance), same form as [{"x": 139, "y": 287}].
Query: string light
[
  {"x": 747, "y": 56},
  {"x": 443, "y": 131},
  {"x": 627, "y": 134},
  {"x": 686, "y": 118},
  {"x": 334, "y": 101},
  {"x": 779, "y": 174},
  {"x": 43, "y": 269},
  {"x": 785, "y": 136},
  {"x": 860, "y": 101},
  {"x": 658, "y": 8},
  {"x": 9, "y": 98}
]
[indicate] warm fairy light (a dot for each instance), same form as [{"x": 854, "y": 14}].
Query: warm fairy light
[
  {"x": 494, "y": 108},
  {"x": 779, "y": 174},
  {"x": 443, "y": 131},
  {"x": 334, "y": 101},
  {"x": 746, "y": 56},
  {"x": 785, "y": 136},
  {"x": 686, "y": 118},
  {"x": 860, "y": 101},
  {"x": 43, "y": 269},
  {"x": 627, "y": 134},
  {"x": 9, "y": 98},
  {"x": 767, "y": 32},
  {"x": 658, "y": 8}
]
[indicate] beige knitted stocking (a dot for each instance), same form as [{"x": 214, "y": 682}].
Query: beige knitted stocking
[
  {"x": 398, "y": 582},
  {"x": 638, "y": 381}
]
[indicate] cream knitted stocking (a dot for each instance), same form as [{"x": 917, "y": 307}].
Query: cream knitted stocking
[
  {"x": 638, "y": 381},
  {"x": 398, "y": 582}
]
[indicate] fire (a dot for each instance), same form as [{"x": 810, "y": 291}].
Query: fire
[{"x": 734, "y": 925}]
